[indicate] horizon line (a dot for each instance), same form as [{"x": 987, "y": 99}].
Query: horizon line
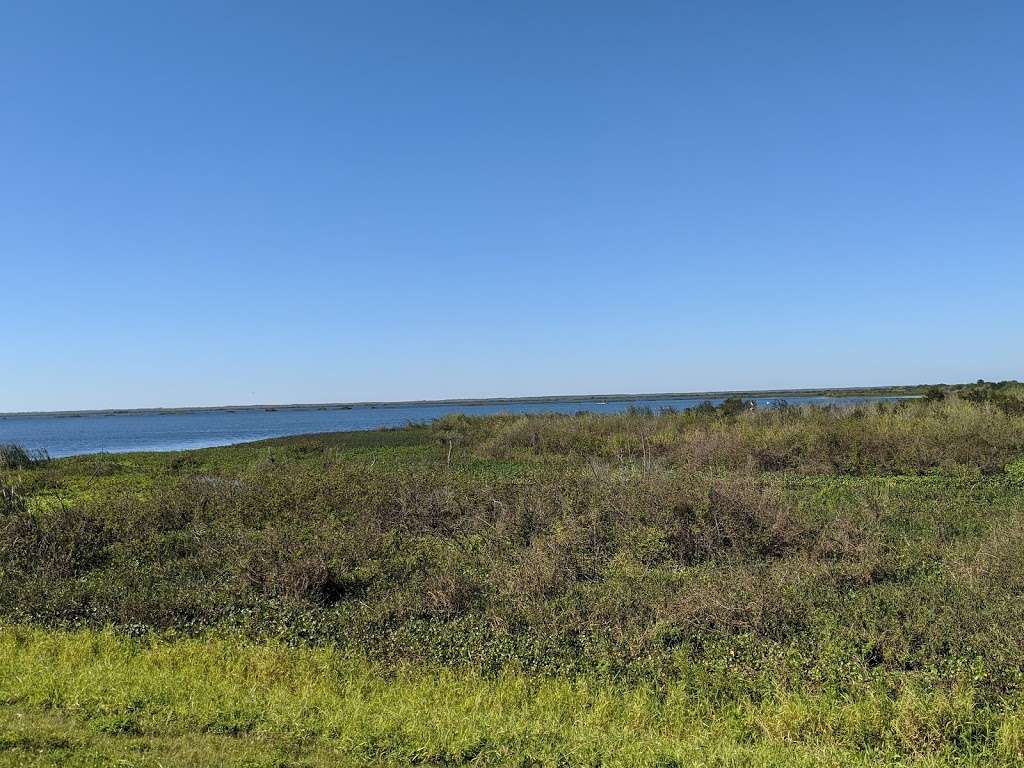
[{"x": 616, "y": 397}]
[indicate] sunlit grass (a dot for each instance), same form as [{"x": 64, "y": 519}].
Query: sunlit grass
[{"x": 95, "y": 698}]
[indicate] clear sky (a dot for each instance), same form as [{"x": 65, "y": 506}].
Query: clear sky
[{"x": 213, "y": 202}]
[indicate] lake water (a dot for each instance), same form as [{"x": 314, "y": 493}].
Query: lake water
[{"x": 121, "y": 433}]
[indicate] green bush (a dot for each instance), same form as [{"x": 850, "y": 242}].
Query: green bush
[{"x": 16, "y": 457}]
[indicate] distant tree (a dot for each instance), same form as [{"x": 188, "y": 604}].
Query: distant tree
[
  {"x": 935, "y": 394},
  {"x": 735, "y": 405},
  {"x": 706, "y": 408}
]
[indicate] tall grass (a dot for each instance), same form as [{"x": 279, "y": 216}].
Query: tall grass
[
  {"x": 13, "y": 456},
  {"x": 907, "y": 437}
]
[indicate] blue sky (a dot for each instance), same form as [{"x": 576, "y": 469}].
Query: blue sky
[{"x": 212, "y": 202}]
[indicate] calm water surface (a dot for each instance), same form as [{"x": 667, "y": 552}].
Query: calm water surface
[{"x": 121, "y": 433}]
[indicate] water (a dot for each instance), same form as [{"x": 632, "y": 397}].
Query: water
[{"x": 121, "y": 433}]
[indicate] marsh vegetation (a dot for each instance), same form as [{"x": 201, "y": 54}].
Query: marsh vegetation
[{"x": 721, "y": 586}]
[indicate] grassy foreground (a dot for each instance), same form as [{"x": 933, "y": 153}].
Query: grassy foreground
[
  {"x": 726, "y": 586},
  {"x": 93, "y": 698}
]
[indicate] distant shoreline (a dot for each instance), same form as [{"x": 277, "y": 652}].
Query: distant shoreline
[{"x": 889, "y": 391}]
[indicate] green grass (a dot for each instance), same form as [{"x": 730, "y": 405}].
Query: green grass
[{"x": 94, "y": 698}]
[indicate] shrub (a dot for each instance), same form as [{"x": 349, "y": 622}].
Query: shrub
[
  {"x": 60, "y": 544},
  {"x": 17, "y": 457}
]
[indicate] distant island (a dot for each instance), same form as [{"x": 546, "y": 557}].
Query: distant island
[{"x": 901, "y": 390}]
